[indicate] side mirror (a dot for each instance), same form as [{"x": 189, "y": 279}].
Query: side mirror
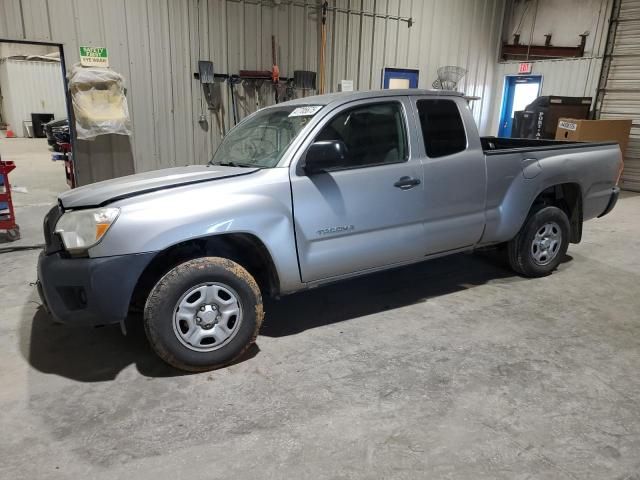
[{"x": 325, "y": 155}]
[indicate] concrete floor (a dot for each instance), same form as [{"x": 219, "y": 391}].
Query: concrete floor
[{"x": 451, "y": 369}]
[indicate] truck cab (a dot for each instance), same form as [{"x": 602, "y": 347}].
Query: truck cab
[{"x": 390, "y": 192}]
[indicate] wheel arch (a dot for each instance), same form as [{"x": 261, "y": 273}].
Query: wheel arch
[
  {"x": 245, "y": 249},
  {"x": 568, "y": 197},
  {"x": 524, "y": 196}
]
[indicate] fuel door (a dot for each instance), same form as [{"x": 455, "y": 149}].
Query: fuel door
[{"x": 530, "y": 168}]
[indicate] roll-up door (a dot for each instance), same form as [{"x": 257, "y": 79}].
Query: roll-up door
[{"x": 619, "y": 90}]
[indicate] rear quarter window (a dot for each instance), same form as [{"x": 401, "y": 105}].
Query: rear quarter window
[{"x": 442, "y": 127}]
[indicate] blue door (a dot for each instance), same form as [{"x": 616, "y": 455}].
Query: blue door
[{"x": 519, "y": 91}]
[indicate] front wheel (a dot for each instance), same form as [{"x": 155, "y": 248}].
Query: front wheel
[
  {"x": 541, "y": 244},
  {"x": 203, "y": 314}
]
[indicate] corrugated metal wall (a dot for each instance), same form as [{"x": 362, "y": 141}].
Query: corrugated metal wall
[
  {"x": 568, "y": 77},
  {"x": 30, "y": 87},
  {"x": 565, "y": 20},
  {"x": 155, "y": 44}
]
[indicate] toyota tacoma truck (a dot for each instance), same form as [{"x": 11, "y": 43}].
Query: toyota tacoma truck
[{"x": 305, "y": 193}]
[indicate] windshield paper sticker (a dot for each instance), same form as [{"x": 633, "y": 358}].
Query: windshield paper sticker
[{"x": 305, "y": 111}]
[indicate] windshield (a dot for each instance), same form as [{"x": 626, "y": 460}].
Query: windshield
[{"x": 261, "y": 140}]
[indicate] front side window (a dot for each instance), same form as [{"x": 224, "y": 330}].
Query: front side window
[
  {"x": 261, "y": 140},
  {"x": 442, "y": 127},
  {"x": 373, "y": 134}
]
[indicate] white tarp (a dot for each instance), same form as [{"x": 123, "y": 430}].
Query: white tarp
[{"x": 99, "y": 102}]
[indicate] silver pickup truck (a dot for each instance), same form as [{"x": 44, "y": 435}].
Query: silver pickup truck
[{"x": 305, "y": 193}]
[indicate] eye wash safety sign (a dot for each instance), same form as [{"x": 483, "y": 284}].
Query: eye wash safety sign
[{"x": 94, "y": 57}]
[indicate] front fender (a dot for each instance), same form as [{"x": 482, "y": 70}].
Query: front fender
[{"x": 258, "y": 204}]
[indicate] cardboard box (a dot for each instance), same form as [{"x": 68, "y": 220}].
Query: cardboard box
[{"x": 594, "y": 131}]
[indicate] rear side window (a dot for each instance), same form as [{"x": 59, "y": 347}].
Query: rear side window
[
  {"x": 374, "y": 134},
  {"x": 442, "y": 128}
]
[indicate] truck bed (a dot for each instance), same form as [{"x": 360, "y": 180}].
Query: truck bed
[{"x": 497, "y": 145}]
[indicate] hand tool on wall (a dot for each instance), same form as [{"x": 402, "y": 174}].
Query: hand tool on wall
[
  {"x": 233, "y": 81},
  {"x": 323, "y": 45},
  {"x": 212, "y": 95},
  {"x": 304, "y": 80},
  {"x": 255, "y": 79},
  {"x": 206, "y": 76},
  {"x": 275, "y": 70}
]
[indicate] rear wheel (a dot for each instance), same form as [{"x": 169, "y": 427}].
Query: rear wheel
[
  {"x": 203, "y": 314},
  {"x": 541, "y": 244}
]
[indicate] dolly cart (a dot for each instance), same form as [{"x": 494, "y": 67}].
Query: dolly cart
[{"x": 7, "y": 213}]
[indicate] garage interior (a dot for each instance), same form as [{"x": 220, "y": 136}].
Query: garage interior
[{"x": 452, "y": 368}]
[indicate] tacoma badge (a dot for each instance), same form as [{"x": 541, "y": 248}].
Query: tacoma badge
[{"x": 338, "y": 229}]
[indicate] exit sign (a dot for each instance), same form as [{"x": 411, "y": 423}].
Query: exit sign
[
  {"x": 94, "y": 57},
  {"x": 525, "y": 67}
]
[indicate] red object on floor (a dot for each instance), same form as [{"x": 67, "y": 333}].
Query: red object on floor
[
  {"x": 7, "y": 220},
  {"x": 65, "y": 148},
  {"x": 10, "y": 133}
]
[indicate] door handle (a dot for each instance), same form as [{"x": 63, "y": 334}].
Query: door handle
[{"x": 405, "y": 183}]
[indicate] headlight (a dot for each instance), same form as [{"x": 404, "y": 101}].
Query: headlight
[{"x": 82, "y": 229}]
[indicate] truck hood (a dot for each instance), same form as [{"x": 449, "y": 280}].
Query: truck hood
[{"x": 101, "y": 193}]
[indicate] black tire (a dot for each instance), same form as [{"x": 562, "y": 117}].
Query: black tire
[
  {"x": 13, "y": 234},
  {"x": 162, "y": 304},
  {"x": 520, "y": 248}
]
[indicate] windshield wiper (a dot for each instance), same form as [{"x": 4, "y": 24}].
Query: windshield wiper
[{"x": 234, "y": 164}]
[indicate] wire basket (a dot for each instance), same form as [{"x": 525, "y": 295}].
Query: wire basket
[{"x": 448, "y": 77}]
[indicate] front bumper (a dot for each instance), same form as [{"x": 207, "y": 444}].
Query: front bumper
[
  {"x": 89, "y": 291},
  {"x": 613, "y": 199}
]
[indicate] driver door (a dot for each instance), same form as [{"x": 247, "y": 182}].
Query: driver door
[{"x": 367, "y": 212}]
